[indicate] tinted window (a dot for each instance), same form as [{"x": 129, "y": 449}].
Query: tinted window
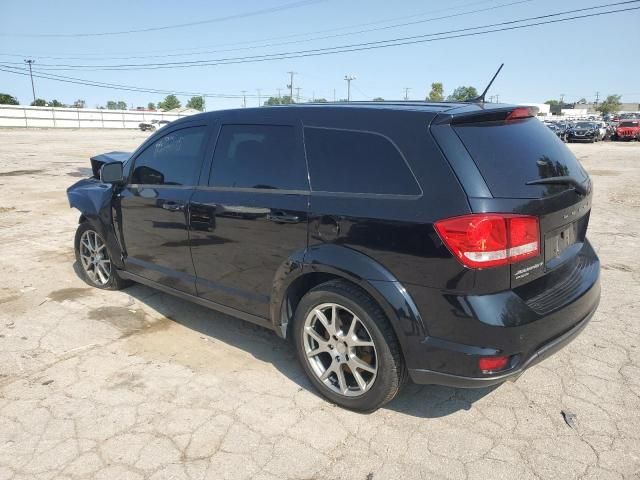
[
  {"x": 510, "y": 154},
  {"x": 173, "y": 159},
  {"x": 356, "y": 162},
  {"x": 258, "y": 156}
]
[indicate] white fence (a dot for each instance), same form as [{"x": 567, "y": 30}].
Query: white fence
[{"x": 54, "y": 117}]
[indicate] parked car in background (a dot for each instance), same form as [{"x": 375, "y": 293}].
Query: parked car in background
[
  {"x": 628, "y": 130},
  {"x": 359, "y": 231},
  {"x": 583, "y": 132},
  {"x": 560, "y": 132},
  {"x": 153, "y": 125}
]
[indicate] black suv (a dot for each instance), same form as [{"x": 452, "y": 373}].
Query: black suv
[{"x": 442, "y": 242}]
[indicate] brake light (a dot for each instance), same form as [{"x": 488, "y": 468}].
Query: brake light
[
  {"x": 492, "y": 364},
  {"x": 483, "y": 240},
  {"x": 520, "y": 112}
]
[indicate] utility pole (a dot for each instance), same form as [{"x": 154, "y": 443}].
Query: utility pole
[
  {"x": 406, "y": 93},
  {"x": 244, "y": 98},
  {"x": 597, "y": 97},
  {"x": 334, "y": 95},
  {"x": 497, "y": 98},
  {"x": 33, "y": 89},
  {"x": 298, "y": 94},
  {"x": 290, "y": 86},
  {"x": 348, "y": 79},
  {"x": 561, "y": 100},
  {"x": 259, "y": 98},
  {"x": 279, "y": 92},
  {"x": 204, "y": 103}
]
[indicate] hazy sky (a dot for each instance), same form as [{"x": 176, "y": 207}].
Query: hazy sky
[{"x": 576, "y": 58}]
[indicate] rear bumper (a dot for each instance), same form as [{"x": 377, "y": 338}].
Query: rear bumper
[
  {"x": 527, "y": 324},
  {"x": 438, "y": 378}
]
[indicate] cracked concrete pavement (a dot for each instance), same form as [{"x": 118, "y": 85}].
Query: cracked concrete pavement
[{"x": 138, "y": 384}]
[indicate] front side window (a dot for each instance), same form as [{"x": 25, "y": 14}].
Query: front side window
[
  {"x": 173, "y": 159},
  {"x": 345, "y": 161},
  {"x": 258, "y": 156}
]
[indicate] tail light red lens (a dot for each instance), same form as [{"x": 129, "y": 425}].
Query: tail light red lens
[
  {"x": 520, "y": 112},
  {"x": 483, "y": 240},
  {"x": 493, "y": 364}
]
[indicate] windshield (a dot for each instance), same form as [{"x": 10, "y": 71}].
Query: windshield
[{"x": 584, "y": 125}]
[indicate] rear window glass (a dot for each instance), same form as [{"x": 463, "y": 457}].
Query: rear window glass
[
  {"x": 629, "y": 124},
  {"x": 510, "y": 154},
  {"x": 356, "y": 162}
]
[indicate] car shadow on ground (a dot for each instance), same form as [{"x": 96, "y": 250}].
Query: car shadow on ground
[{"x": 424, "y": 401}]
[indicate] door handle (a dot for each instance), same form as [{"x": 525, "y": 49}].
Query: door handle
[
  {"x": 173, "y": 206},
  {"x": 283, "y": 218}
]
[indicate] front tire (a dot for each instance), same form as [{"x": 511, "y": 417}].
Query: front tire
[
  {"x": 94, "y": 260},
  {"x": 347, "y": 347}
]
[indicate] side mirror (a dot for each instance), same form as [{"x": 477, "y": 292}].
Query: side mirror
[{"x": 112, "y": 173}]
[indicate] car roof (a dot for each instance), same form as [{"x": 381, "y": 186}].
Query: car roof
[{"x": 449, "y": 108}]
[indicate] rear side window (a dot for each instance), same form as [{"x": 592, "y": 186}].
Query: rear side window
[
  {"x": 173, "y": 159},
  {"x": 356, "y": 162},
  {"x": 258, "y": 156},
  {"x": 510, "y": 154}
]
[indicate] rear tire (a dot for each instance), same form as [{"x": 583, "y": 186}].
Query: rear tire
[
  {"x": 359, "y": 365},
  {"x": 94, "y": 260}
]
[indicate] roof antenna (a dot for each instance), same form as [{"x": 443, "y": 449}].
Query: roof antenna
[{"x": 480, "y": 98}]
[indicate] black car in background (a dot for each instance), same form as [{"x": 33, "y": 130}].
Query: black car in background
[
  {"x": 442, "y": 242},
  {"x": 560, "y": 132},
  {"x": 584, "y": 132}
]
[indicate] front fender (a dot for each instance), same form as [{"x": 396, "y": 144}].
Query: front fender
[
  {"x": 375, "y": 279},
  {"x": 94, "y": 199}
]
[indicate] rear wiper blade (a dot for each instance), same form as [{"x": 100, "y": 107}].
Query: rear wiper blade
[{"x": 565, "y": 180}]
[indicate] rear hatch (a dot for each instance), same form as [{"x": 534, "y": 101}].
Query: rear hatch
[{"x": 523, "y": 168}]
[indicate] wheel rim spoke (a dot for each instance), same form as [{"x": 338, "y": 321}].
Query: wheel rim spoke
[
  {"x": 346, "y": 363},
  {"x": 94, "y": 258},
  {"x": 355, "y": 363}
]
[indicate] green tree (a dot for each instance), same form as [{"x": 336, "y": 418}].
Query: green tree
[
  {"x": 121, "y": 105},
  {"x": 6, "y": 99},
  {"x": 56, "y": 103},
  {"x": 79, "y": 104},
  {"x": 553, "y": 103},
  {"x": 437, "y": 92},
  {"x": 197, "y": 103},
  {"x": 169, "y": 103},
  {"x": 151, "y": 106},
  {"x": 111, "y": 105},
  {"x": 286, "y": 100},
  {"x": 463, "y": 93},
  {"x": 378, "y": 99},
  {"x": 319, "y": 100},
  {"x": 610, "y": 105},
  {"x": 39, "y": 102}
]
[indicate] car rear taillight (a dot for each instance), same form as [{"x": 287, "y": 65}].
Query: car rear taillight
[
  {"x": 482, "y": 240},
  {"x": 520, "y": 112}
]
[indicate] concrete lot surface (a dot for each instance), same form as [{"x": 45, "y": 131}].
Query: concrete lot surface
[{"x": 138, "y": 384}]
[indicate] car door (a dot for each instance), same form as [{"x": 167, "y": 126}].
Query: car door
[
  {"x": 251, "y": 214},
  {"x": 152, "y": 207}
]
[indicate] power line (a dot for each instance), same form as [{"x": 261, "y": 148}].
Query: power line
[
  {"x": 406, "y": 92},
  {"x": 414, "y": 39},
  {"x": 414, "y": 22},
  {"x": 112, "y": 86},
  {"x": 168, "y": 27},
  {"x": 248, "y": 42},
  {"x": 49, "y": 76}
]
